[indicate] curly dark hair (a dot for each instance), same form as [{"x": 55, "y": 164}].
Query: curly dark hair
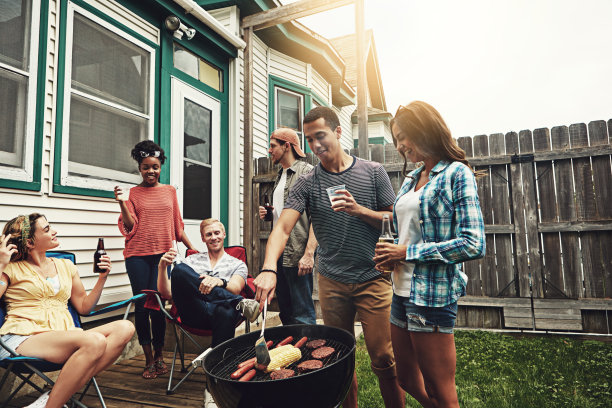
[
  {"x": 328, "y": 115},
  {"x": 21, "y": 229},
  {"x": 147, "y": 146}
]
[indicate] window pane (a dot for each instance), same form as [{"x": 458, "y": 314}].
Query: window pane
[
  {"x": 103, "y": 137},
  {"x": 197, "y": 68},
  {"x": 210, "y": 75},
  {"x": 109, "y": 66},
  {"x": 197, "y": 191},
  {"x": 12, "y": 126},
  {"x": 15, "y": 32},
  {"x": 289, "y": 108},
  {"x": 185, "y": 61},
  {"x": 197, "y": 130}
]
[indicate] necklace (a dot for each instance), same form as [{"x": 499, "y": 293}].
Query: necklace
[{"x": 45, "y": 271}]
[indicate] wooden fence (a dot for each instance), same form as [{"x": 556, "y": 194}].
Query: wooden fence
[{"x": 546, "y": 199}]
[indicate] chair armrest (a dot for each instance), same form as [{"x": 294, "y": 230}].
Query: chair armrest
[
  {"x": 155, "y": 302},
  {"x": 117, "y": 305},
  {"x": 12, "y": 352}
]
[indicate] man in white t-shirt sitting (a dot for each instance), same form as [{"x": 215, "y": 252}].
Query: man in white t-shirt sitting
[{"x": 206, "y": 286}]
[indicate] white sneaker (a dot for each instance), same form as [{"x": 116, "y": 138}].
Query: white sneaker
[
  {"x": 41, "y": 402},
  {"x": 249, "y": 309}
]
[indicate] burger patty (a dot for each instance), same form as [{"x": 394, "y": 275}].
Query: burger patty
[
  {"x": 313, "y": 344},
  {"x": 323, "y": 352},
  {"x": 282, "y": 374},
  {"x": 309, "y": 365}
]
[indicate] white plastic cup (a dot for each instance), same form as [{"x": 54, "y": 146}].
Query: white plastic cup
[
  {"x": 124, "y": 194},
  {"x": 331, "y": 192}
]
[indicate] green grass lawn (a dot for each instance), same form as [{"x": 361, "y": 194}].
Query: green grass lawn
[{"x": 498, "y": 371}]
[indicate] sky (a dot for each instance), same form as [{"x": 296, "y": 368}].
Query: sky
[{"x": 490, "y": 66}]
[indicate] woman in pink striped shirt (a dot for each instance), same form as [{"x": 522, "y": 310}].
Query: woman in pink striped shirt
[{"x": 150, "y": 220}]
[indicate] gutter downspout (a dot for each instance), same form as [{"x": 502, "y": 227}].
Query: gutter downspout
[{"x": 198, "y": 12}]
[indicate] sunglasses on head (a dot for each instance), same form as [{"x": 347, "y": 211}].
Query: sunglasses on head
[
  {"x": 401, "y": 109},
  {"x": 155, "y": 153}
]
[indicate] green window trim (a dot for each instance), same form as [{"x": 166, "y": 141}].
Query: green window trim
[
  {"x": 308, "y": 94},
  {"x": 61, "y": 83},
  {"x": 373, "y": 140},
  {"x": 39, "y": 107}
]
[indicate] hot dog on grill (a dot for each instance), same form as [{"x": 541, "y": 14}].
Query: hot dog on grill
[
  {"x": 286, "y": 341},
  {"x": 248, "y": 376},
  {"x": 301, "y": 342},
  {"x": 242, "y": 370}
]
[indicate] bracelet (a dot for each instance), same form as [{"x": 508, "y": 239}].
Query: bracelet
[{"x": 268, "y": 270}]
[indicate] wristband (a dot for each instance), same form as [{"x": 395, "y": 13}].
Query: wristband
[{"x": 268, "y": 270}]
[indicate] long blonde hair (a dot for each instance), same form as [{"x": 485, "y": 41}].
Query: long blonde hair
[
  {"x": 424, "y": 126},
  {"x": 21, "y": 230}
]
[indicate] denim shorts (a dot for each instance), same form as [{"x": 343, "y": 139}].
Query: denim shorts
[
  {"x": 13, "y": 341},
  {"x": 407, "y": 315}
]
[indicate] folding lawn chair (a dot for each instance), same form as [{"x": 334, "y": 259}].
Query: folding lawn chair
[
  {"x": 25, "y": 367},
  {"x": 154, "y": 301}
]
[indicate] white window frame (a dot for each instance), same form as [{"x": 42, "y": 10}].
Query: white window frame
[
  {"x": 181, "y": 91},
  {"x": 28, "y": 123},
  {"x": 277, "y": 108},
  {"x": 111, "y": 176}
]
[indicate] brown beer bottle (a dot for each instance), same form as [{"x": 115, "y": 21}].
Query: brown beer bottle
[
  {"x": 99, "y": 252},
  {"x": 269, "y": 215}
]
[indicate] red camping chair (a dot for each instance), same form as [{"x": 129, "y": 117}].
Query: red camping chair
[{"x": 154, "y": 301}]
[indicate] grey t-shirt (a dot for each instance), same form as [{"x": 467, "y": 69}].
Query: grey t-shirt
[{"x": 346, "y": 243}]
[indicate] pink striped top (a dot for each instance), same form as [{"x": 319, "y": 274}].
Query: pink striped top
[{"x": 157, "y": 221}]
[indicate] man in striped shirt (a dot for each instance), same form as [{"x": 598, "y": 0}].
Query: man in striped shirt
[{"x": 347, "y": 228}]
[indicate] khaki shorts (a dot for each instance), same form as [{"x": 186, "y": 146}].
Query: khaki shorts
[{"x": 371, "y": 300}]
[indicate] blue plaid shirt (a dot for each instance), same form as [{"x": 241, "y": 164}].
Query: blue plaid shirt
[{"x": 452, "y": 229}]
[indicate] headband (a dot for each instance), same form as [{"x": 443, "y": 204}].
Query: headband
[{"x": 25, "y": 231}]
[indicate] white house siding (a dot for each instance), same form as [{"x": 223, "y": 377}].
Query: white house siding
[
  {"x": 344, "y": 114},
  {"x": 375, "y": 129},
  {"x": 320, "y": 86},
  {"x": 288, "y": 68},
  {"x": 260, "y": 98},
  {"x": 79, "y": 220}
]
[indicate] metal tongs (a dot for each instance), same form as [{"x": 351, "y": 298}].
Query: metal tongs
[{"x": 261, "y": 349}]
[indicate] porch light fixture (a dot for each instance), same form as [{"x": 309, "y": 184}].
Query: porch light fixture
[{"x": 177, "y": 28}]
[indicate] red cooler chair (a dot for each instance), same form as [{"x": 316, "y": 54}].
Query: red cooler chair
[{"x": 154, "y": 301}]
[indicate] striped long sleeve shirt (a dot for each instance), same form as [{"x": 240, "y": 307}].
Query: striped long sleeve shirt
[{"x": 157, "y": 221}]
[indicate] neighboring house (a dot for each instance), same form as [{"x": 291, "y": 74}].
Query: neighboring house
[
  {"x": 82, "y": 81},
  {"x": 379, "y": 131}
]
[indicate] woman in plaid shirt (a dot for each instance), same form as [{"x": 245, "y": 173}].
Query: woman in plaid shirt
[{"x": 439, "y": 223}]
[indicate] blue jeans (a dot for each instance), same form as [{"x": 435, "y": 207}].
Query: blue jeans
[
  {"x": 407, "y": 315},
  {"x": 215, "y": 311},
  {"x": 294, "y": 296},
  {"x": 142, "y": 271}
]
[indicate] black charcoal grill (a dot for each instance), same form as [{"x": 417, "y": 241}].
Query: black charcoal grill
[{"x": 326, "y": 387}]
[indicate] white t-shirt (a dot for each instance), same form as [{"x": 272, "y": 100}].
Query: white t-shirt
[
  {"x": 225, "y": 268},
  {"x": 409, "y": 233},
  {"x": 278, "y": 198}
]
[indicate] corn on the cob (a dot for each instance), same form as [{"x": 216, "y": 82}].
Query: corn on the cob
[{"x": 283, "y": 358}]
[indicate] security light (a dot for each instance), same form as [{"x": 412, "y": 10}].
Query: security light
[{"x": 177, "y": 28}]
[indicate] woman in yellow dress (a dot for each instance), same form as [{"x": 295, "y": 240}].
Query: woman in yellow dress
[{"x": 36, "y": 290}]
